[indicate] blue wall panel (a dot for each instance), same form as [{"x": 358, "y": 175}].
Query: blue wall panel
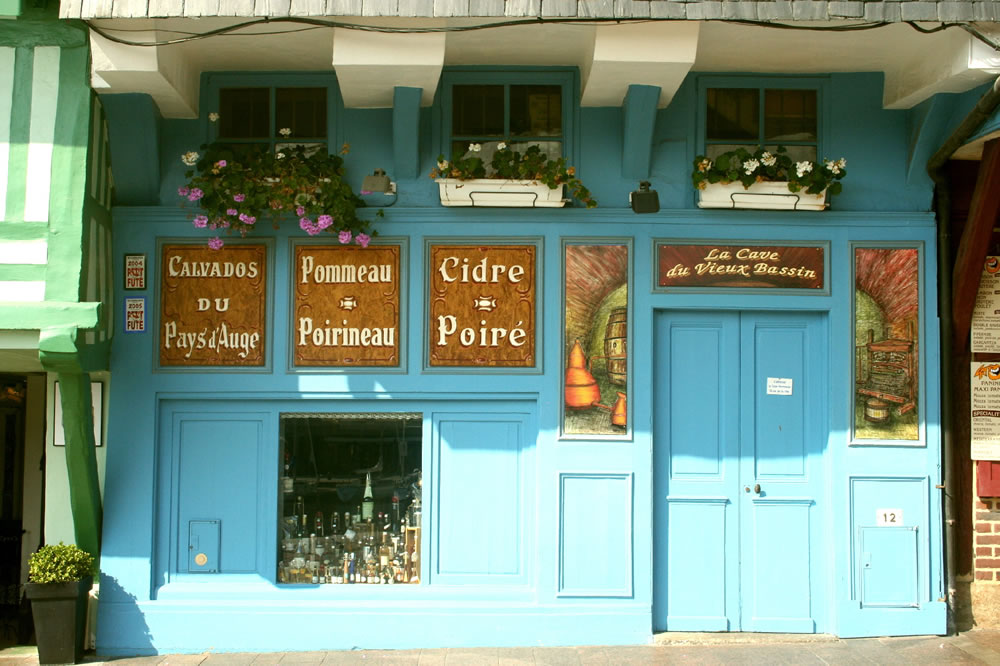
[{"x": 591, "y": 505}]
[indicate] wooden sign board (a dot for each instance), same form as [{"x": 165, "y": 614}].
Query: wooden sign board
[
  {"x": 346, "y": 305},
  {"x": 213, "y": 309},
  {"x": 741, "y": 266},
  {"x": 482, "y": 306}
]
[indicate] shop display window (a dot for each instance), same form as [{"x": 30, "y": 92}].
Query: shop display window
[{"x": 350, "y": 498}]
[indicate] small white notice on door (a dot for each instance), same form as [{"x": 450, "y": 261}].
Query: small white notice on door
[
  {"x": 779, "y": 386},
  {"x": 888, "y": 517}
]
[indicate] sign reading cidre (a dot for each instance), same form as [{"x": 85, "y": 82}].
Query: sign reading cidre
[
  {"x": 748, "y": 266},
  {"x": 482, "y": 306},
  {"x": 213, "y": 305},
  {"x": 346, "y": 305}
]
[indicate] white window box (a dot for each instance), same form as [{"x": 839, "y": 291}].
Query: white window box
[
  {"x": 762, "y": 196},
  {"x": 494, "y": 192}
]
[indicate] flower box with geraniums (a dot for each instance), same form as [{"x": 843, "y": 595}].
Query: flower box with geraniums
[
  {"x": 514, "y": 179},
  {"x": 765, "y": 180},
  {"x": 237, "y": 187},
  {"x": 59, "y": 581}
]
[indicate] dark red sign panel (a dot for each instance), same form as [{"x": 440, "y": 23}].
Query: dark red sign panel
[{"x": 747, "y": 266}]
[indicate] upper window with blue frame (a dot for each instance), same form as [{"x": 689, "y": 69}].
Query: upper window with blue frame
[
  {"x": 519, "y": 108},
  {"x": 762, "y": 116}
]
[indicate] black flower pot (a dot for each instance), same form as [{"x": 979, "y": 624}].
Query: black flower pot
[{"x": 60, "y": 614}]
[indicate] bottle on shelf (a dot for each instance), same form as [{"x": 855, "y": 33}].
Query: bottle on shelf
[
  {"x": 368, "y": 500},
  {"x": 394, "y": 518},
  {"x": 318, "y": 523},
  {"x": 300, "y": 517},
  {"x": 334, "y": 523}
]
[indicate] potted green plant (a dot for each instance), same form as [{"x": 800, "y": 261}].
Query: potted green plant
[
  {"x": 513, "y": 179},
  {"x": 765, "y": 180},
  {"x": 237, "y": 186},
  {"x": 59, "y": 581}
]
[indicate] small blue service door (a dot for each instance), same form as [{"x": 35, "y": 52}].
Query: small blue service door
[{"x": 740, "y": 438}]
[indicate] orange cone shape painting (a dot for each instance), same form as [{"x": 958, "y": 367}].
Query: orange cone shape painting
[{"x": 581, "y": 387}]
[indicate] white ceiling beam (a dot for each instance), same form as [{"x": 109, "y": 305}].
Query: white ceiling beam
[
  {"x": 161, "y": 72},
  {"x": 953, "y": 63},
  {"x": 370, "y": 65},
  {"x": 655, "y": 54}
]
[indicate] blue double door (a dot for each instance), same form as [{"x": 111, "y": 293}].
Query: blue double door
[{"x": 740, "y": 437}]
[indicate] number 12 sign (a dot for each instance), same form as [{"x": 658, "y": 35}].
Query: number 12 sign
[{"x": 889, "y": 517}]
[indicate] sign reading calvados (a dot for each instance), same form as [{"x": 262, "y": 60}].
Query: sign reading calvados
[
  {"x": 213, "y": 305},
  {"x": 346, "y": 305},
  {"x": 746, "y": 266},
  {"x": 482, "y": 306}
]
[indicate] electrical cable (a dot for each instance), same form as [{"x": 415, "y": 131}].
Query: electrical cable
[{"x": 316, "y": 24}]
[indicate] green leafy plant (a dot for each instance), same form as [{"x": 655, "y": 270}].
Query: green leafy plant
[
  {"x": 510, "y": 164},
  {"x": 236, "y": 186},
  {"x": 59, "y": 563},
  {"x": 742, "y": 166}
]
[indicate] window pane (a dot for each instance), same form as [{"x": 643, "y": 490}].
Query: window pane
[
  {"x": 732, "y": 114},
  {"x": 535, "y": 110},
  {"x": 350, "y": 501},
  {"x": 303, "y": 110},
  {"x": 477, "y": 110},
  {"x": 790, "y": 115},
  {"x": 244, "y": 113}
]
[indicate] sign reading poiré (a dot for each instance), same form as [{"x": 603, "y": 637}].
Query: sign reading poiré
[
  {"x": 346, "y": 305},
  {"x": 482, "y": 306},
  {"x": 213, "y": 305},
  {"x": 788, "y": 267}
]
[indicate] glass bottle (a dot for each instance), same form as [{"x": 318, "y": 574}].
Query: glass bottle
[
  {"x": 396, "y": 526},
  {"x": 334, "y": 523},
  {"x": 318, "y": 523},
  {"x": 300, "y": 517},
  {"x": 368, "y": 501}
]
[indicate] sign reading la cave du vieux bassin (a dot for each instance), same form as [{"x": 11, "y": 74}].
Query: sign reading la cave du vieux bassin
[
  {"x": 752, "y": 266},
  {"x": 346, "y": 305}
]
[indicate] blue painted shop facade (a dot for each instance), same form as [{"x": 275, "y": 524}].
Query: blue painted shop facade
[{"x": 775, "y": 460}]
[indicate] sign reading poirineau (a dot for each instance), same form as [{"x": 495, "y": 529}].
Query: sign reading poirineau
[
  {"x": 985, "y": 402},
  {"x": 213, "y": 309},
  {"x": 482, "y": 306},
  {"x": 346, "y": 305}
]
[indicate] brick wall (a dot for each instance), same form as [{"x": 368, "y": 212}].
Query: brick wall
[{"x": 987, "y": 539}]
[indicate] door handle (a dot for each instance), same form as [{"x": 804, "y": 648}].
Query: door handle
[{"x": 756, "y": 488}]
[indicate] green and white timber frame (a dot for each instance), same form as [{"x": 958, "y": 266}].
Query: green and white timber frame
[{"x": 55, "y": 234}]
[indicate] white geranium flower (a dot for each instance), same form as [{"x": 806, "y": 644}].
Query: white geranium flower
[
  {"x": 475, "y": 147},
  {"x": 285, "y": 131},
  {"x": 802, "y": 168},
  {"x": 442, "y": 165},
  {"x": 501, "y": 146},
  {"x": 833, "y": 167},
  {"x": 190, "y": 158},
  {"x": 842, "y": 163},
  {"x": 213, "y": 117},
  {"x": 750, "y": 166},
  {"x": 704, "y": 165},
  {"x": 767, "y": 159},
  {"x": 279, "y": 156}
]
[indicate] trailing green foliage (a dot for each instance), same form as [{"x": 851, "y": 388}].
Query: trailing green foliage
[
  {"x": 60, "y": 563},
  {"x": 511, "y": 164},
  {"x": 742, "y": 166}
]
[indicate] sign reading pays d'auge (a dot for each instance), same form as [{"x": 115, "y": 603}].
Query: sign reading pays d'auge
[
  {"x": 482, "y": 306},
  {"x": 346, "y": 305},
  {"x": 768, "y": 266},
  {"x": 213, "y": 305}
]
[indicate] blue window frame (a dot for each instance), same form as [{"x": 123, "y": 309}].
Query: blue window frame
[
  {"x": 520, "y": 107},
  {"x": 767, "y": 112},
  {"x": 254, "y": 109}
]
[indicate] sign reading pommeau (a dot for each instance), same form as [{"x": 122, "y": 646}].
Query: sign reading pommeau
[
  {"x": 346, "y": 305},
  {"x": 755, "y": 266},
  {"x": 482, "y": 305},
  {"x": 213, "y": 305}
]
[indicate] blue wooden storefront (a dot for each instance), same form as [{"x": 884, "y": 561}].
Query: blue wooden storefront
[{"x": 725, "y": 507}]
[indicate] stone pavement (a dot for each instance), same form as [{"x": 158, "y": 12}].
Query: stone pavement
[{"x": 978, "y": 646}]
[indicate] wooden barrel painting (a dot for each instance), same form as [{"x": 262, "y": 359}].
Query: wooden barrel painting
[
  {"x": 876, "y": 411},
  {"x": 616, "y": 346}
]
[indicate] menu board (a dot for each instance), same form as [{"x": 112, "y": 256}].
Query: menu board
[{"x": 985, "y": 331}]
